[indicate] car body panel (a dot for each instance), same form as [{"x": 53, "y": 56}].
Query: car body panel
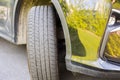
[
  {"x": 94, "y": 67},
  {"x": 86, "y": 24},
  {"x": 116, "y": 10},
  {"x": 6, "y": 17},
  {"x": 111, "y": 52},
  {"x": 116, "y": 5},
  {"x": 84, "y": 28},
  {"x": 13, "y": 19}
]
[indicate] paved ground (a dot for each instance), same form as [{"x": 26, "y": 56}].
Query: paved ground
[{"x": 13, "y": 64}]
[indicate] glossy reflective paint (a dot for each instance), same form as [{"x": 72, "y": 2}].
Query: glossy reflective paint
[
  {"x": 112, "y": 50},
  {"x": 6, "y": 14},
  {"x": 6, "y": 19},
  {"x": 116, "y": 4},
  {"x": 116, "y": 10},
  {"x": 13, "y": 18},
  {"x": 86, "y": 20}
]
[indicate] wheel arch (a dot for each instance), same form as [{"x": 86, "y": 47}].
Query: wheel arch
[
  {"x": 20, "y": 20},
  {"x": 60, "y": 13},
  {"x": 21, "y": 10}
]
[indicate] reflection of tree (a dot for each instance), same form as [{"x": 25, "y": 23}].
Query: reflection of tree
[
  {"x": 87, "y": 19},
  {"x": 90, "y": 18},
  {"x": 64, "y": 6},
  {"x": 68, "y": 5},
  {"x": 86, "y": 25}
]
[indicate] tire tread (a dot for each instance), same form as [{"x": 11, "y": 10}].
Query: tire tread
[{"x": 41, "y": 43}]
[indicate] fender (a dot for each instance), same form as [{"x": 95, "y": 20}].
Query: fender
[
  {"x": 84, "y": 28},
  {"x": 65, "y": 28},
  {"x": 6, "y": 17},
  {"x": 73, "y": 31}
]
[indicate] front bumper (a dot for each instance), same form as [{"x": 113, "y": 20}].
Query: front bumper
[{"x": 103, "y": 71}]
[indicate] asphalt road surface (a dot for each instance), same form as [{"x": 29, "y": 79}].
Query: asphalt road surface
[{"x": 13, "y": 64}]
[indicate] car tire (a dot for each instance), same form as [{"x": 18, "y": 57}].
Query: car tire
[{"x": 42, "y": 43}]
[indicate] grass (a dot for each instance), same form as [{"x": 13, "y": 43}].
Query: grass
[{"x": 85, "y": 45}]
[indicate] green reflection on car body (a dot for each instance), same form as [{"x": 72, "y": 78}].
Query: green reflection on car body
[
  {"x": 116, "y": 4},
  {"x": 86, "y": 22},
  {"x": 113, "y": 45}
]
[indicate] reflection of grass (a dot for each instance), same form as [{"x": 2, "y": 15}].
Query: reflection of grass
[
  {"x": 113, "y": 45},
  {"x": 116, "y": 5},
  {"x": 90, "y": 42}
]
